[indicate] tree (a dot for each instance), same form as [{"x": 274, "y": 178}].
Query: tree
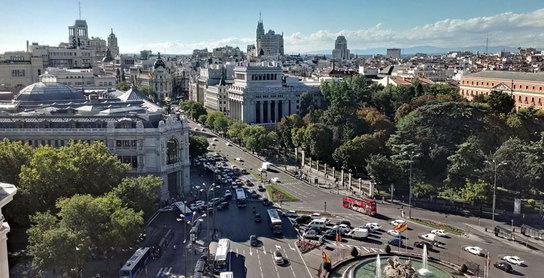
[
  {"x": 318, "y": 140},
  {"x": 150, "y": 93},
  {"x": 13, "y": 155},
  {"x": 465, "y": 164},
  {"x": 271, "y": 140},
  {"x": 297, "y": 135},
  {"x": 477, "y": 192},
  {"x": 285, "y": 137},
  {"x": 198, "y": 145},
  {"x": 235, "y": 130},
  {"x": 423, "y": 190},
  {"x": 123, "y": 86},
  {"x": 354, "y": 153},
  {"x": 79, "y": 168},
  {"x": 384, "y": 171},
  {"x": 202, "y": 119},
  {"x": 140, "y": 194},
  {"x": 211, "y": 118},
  {"x": 501, "y": 102},
  {"x": 306, "y": 103},
  {"x": 192, "y": 108},
  {"x": 221, "y": 124}
]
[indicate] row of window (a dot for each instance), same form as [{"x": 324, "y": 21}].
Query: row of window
[
  {"x": 520, "y": 99},
  {"x": 57, "y": 143},
  {"x": 17, "y": 73},
  {"x": 126, "y": 143},
  {"x": 265, "y": 76},
  {"x": 515, "y": 86}
]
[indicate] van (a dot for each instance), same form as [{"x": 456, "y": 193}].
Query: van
[
  {"x": 318, "y": 223},
  {"x": 358, "y": 233}
]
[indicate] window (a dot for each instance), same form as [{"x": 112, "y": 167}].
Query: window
[
  {"x": 132, "y": 160},
  {"x": 17, "y": 73},
  {"x": 171, "y": 151}
]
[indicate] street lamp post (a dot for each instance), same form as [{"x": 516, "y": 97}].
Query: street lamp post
[
  {"x": 495, "y": 164},
  {"x": 411, "y": 155}
]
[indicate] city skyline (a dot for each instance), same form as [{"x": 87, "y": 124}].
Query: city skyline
[{"x": 179, "y": 27}]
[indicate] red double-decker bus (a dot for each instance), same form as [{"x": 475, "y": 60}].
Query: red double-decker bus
[{"x": 363, "y": 205}]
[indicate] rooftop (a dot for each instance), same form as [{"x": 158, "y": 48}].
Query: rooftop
[{"x": 511, "y": 75}]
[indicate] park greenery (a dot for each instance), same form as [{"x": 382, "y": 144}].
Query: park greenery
[
  {"x": 76, "y": 202},
  {"x": 374, "y": 130}
]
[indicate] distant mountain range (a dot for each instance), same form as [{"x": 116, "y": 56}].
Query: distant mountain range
[{"x": 420, "y": 49}]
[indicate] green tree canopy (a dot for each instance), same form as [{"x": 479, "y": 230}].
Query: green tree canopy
[
  {"x": 13, "y": 155},
  {"x": 318, "y": 141},
  {"x": 235, "y": 130},
  {"x": 500, "y": 102},
  {"x": 477, "y": 192},
  {"x": 221, "y": 124},
  {"x": 193, "y": 108},
  {"x": 284, "y": 130},
  {"x": 140, "y": 194},
  {"x": 354, "y": 153},
  {"x": 123, "y": 86},
  {"x": 198, "y": 145},
  {"x": 306, "y": 103}
]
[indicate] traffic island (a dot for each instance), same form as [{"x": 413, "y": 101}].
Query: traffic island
[
  {"x": 279, "y": 195},
  {"x": 437, "y": 225}
]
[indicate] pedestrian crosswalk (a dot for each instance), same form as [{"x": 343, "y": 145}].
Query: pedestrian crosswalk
[
  {"x": 164, "y": 271},
  {"x": 361, "y": 249}
]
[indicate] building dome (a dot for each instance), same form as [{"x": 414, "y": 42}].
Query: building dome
[
  {"x": 159, "y": 62},
  {"x": 48, "y": 90}
]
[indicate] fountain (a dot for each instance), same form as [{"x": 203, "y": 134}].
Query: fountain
[
  {"x": 378, "y": 267},
  {"x": 424, "y": 270}
]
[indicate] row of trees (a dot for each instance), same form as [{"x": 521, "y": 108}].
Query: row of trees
[
  {"x": 76, "y": 201},
  {"x": 254, "y": 138},
  {"x": 373, "y": 130}
]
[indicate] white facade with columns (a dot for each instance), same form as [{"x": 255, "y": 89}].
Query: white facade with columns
[{"x": 261, "y": 95}]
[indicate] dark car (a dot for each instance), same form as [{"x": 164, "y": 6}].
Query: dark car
[
  {"x": 266, "y": 202},
  {"x": 345, "y": 222},
  {"x": 261, "y": 188},
  {"x": 420, "y": 244},
  {"x": 254, "y": 195},
  {"x": 303, "y": 219},
  {"x": 254, "y": 241},
  {"x": 397, "y": 241},
  {"x": 329, "y": 234},
  {"x": 258, "y": 218},
  {"x": 249, "y": 183},
  {"x": 503, "y": 266}
]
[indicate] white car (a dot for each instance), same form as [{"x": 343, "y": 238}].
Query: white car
[
  {"x": 398, "y": 221},
  {"x": 275, "y": 180},
  {"x": 475, "y": 250},
  {"x": 343, "y": 228},
  {"x": 214, "y": 139},
  {"x": 315, "y": 215},
  {"x": 513, "y": 260},
  {"x": 228, "y": 144},
  {"x": 238, "y": 159},
  {"x": 202, "y": 129},
  {"x": 428, "y": 237},
  {"x": 394, "y": 233},
  {"x": 212, "y": 144},
  {"x": 439, "y": 233},
  {"x": 372, "y": 226},
  {"x": 290, "y": 213}
]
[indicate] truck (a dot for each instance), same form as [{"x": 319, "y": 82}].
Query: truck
[{"x": 240, "y": 198}]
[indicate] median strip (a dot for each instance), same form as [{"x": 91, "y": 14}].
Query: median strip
[
  {"x": 437, "y": 225},
  {"x": 277, "y": 194}
]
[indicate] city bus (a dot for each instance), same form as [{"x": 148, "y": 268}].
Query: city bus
[
  {"x": 221, "y": 261},
  {"x": 240, "y": 198},
  {"x": 363, "y": 205},
  {"x": 136, "y": 264},
  {"x": 275, "y": 221}
]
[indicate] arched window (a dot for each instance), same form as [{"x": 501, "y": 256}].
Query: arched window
[{"x": 171, "y": 151}]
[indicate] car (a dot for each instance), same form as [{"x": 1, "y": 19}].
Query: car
[
  {"x": 372, "y": 226},
  {"x": 290, "y": 213},
  {"x": 420, "y": 244},
  {"x": 474, "y": 250},
  {"x": 278, "y": 258},
  {"x": 202, "y": 129},
  {"x": 239, "y": 159},
  {"x": 275, "y": 180},
  {"x": 346, "y": 222},
  {"x": 258, "y": 218},
  {"x": 397, "y": 241},
  {"x": 167, "y": 208},
  {"x": 249, "y": 183},
  {"x": 513, "y": 260},
  {"x": 503, "y": 266},
  {"x": 428, "y": 237},
  {"x": 266, "y": 202},
  {"x": 311, "y": 233},
  {"x": 342, "y": 228},
  {"x": 254, "y": 241},
  {"x": 358, "y": 233},
  {"x": 261, "y": 188},
  {"x": 244, "y": 172},
  {"x": 394, "y": 233},
  {"x": 215, "y": 139},
  {"x": 441, "y": 233},
  {"x": 212, "y": 144},
  {"x": 329, "y": 234},
  {"x": 398, "y": 221},
  {"x": 303, "y": 219},
  {"x": 215, "y": 201},
  {"x": 228, "y": 144},
  {"x": 228, "y": 195},
  {"x": 315, "y": 215},
  {"x": 254, "y": 196}
]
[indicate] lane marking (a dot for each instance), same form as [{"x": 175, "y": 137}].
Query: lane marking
[
  {"x": 260, "y": 265},
  {"x": 374, "y": 250},
  {"x": 278, "y": 247},
  {"x": 291, "y": 247},
  {"x": 307, "y": 269},
  {"x": 160, "y": 272},
  {"x": 290, "y": 264},
  {"x": 366, "y": 249},
  {"x": 237, "y": 253}
]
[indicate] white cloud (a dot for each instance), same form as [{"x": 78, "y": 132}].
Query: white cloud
[{"x": 506, "y": 29}]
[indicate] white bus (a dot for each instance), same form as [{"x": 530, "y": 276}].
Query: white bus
[
  {"x": 221, "y": 261},
  {"x": 226, "y": 275},
  {"x": 275, "y": 221},
  {"x": 240, "y": 198}
]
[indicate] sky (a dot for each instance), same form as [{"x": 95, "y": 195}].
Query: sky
[{"x": 179, "y": 26}]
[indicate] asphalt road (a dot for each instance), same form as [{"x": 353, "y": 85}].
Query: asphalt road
[{"x": 317, "y": 199}]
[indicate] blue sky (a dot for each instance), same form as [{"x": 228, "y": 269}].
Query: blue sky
[{"x": 180, "y": 26}]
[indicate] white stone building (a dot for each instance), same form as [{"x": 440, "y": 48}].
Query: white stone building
[
  {"x": 340, "y": 51},
  {"x": 83, "y": 79},
  {"x": 131, "y": 126}
]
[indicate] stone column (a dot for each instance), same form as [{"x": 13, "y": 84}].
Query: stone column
[
  {"x": 360, "y": 192},
  {"x": 325, "y": 170},
  {"x": 276, "y": 110},
  {"x": 333, "y": 173},
  {"x": 342, "y": 177},
  {"x": 310, "y": 163},
  {"x": 349, "y": 180},
  {"x": 303, "y": 158},
  {"x": 261, "y": 103},
  {"x": 317, "y": 165},
  {"x": 296, "y": 154},
  {"x": 269, "y": 104}
]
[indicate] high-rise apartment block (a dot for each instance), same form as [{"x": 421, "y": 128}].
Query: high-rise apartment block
[{"x": 393, "y": 53}]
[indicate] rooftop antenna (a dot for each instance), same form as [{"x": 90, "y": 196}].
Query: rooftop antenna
[
  {"x": 260, "y": 19},
  {"x": 79, "y": 4}
]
